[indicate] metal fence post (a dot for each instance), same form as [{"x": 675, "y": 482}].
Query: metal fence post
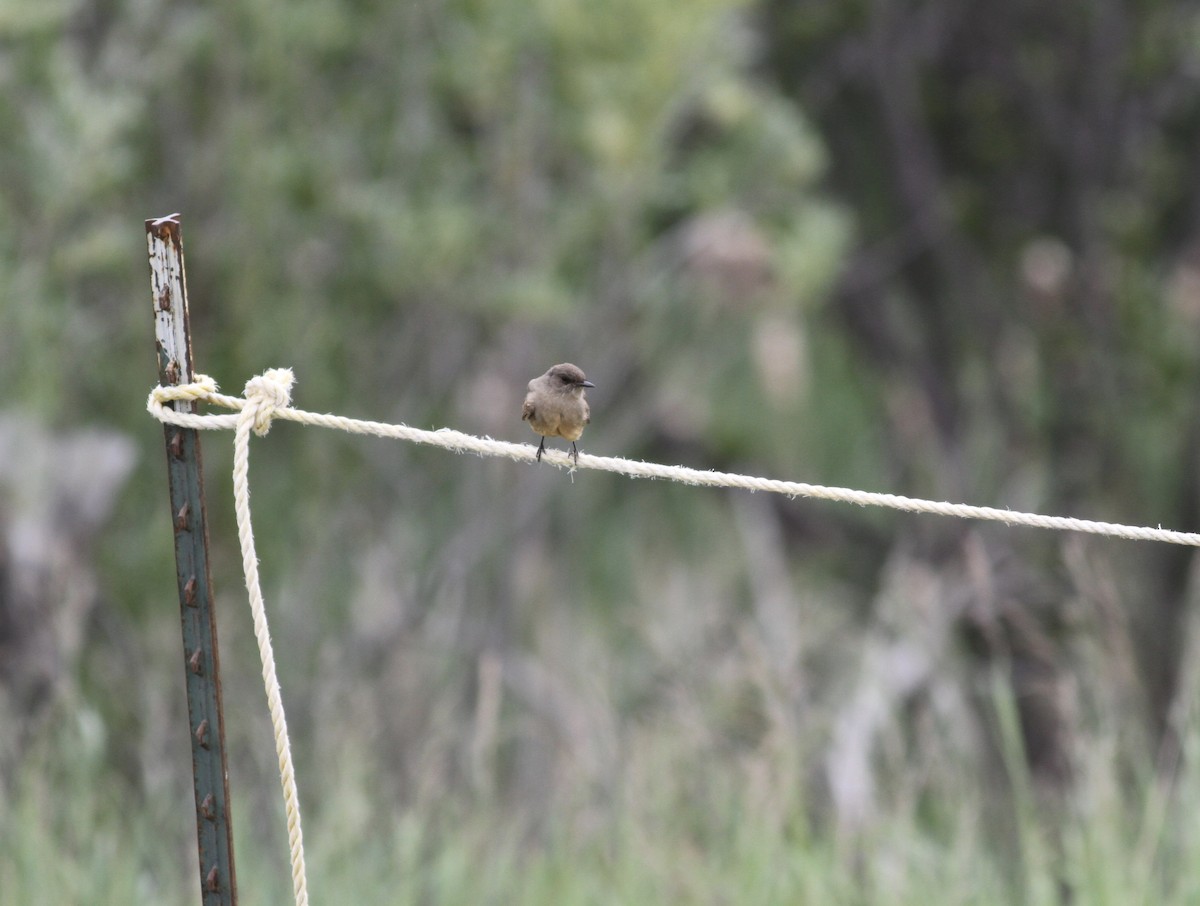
[{"x": 206, "y": 721}]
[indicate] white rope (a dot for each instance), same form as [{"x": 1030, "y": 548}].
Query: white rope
[
  {"x": 204, "y": 389},
  {"x": 268, "y": 397},
  {"x": 265, "y": 396}
]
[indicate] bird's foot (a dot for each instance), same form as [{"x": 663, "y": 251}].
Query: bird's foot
[{"x": 541, "y": 449}]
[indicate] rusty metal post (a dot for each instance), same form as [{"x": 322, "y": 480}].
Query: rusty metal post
[{"x": 206, "y": 721}]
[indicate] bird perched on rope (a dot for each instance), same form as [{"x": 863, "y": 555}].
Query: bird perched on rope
[{"x": 555, "y": 406}]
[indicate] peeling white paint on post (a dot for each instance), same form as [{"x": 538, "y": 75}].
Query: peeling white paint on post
[{"x": 168, "y": 286}]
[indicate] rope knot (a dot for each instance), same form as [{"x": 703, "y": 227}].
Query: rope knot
[
  {"x": 266, "y": 394},
  {"x": 201, "y": 388}
]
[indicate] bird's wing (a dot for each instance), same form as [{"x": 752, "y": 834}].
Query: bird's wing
[{"x": 527, "y": 411}]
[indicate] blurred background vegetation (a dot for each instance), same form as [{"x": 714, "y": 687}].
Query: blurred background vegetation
[{"x": 946, "y": 250}]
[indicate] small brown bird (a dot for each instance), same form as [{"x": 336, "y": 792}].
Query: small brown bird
[{"x": 555, "y": 407}]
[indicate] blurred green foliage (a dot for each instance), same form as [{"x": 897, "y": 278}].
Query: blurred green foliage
[{"x": 931, "y": 250}]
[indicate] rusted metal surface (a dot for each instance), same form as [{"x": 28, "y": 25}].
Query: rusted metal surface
[{"x": 189, "y": 519}]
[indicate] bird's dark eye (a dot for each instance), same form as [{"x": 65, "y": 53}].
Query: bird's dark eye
[{"x": 564, "y": 379}]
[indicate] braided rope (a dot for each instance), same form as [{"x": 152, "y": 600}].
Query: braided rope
[
  {"x": 204, "y": 389},
  {"x": 268, "y": 397}
]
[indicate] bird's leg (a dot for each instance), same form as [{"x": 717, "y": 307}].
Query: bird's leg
[
  {"x": 541, "y": 449},
  {"x": 575, "y": 453}
]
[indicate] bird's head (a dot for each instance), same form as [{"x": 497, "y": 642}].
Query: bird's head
[{"x": 567, "y": 378}]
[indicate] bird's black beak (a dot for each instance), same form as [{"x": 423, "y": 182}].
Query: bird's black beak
[{"x": 587, "y": 384}]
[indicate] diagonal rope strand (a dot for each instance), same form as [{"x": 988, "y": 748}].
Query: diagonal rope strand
[{"x": 204, "y": 389}]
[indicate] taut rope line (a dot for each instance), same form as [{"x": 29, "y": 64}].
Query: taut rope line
[{"x": 204, "y": 389}]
